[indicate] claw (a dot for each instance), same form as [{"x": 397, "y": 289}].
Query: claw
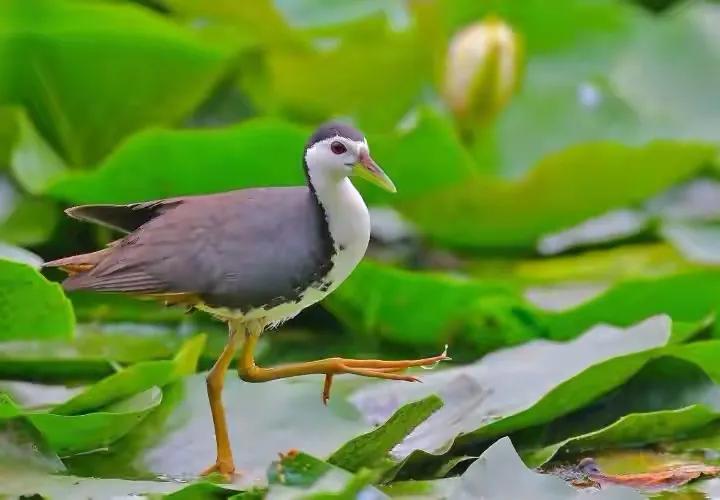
[
  {"x": 442, "y": 357},
  {"x": 326, "y": 388}
]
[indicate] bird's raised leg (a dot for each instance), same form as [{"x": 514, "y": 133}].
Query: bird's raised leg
[
  {"x": 215, "y": 381},
  {"x": 250, "y": 372}
]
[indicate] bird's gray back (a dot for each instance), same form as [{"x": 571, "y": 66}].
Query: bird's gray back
[{"x": 239, "y": 250}]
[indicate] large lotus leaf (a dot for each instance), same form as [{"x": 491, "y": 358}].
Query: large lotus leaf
[
  {"x": 563, "y": 189},
  {"x": 634, "y": 428},
  {"x": 30, "y": 306},
  {"x": 412, "y": 307},
  {"x": 522, "y": 386},
  {"x": 136, "y": 378},
  {"x": 162, "y": 163},
  {"x": 668, "y": 398},
  {"x": 688, "y": 297},
  {"x": 264, "y": 420},
  {"x": 74, "y": 64}
]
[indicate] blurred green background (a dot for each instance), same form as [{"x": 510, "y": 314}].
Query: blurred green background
[{"x": 557, "y": 171}]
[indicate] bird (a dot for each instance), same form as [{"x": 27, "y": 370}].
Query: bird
[{"x": 253, "y": 258}]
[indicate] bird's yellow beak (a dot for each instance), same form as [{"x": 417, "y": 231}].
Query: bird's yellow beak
[{"x": 370, "y": 171}]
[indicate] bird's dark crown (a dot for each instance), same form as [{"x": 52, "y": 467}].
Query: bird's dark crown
[{"x": 332, "y": 129}]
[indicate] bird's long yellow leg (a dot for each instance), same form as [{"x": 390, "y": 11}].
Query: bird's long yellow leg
[
  {"x": 250, "y": 372},
  {"x": 215, "y": 381}
]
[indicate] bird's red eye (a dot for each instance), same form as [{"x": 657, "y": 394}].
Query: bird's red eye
[{"x": 338, "y": 148}]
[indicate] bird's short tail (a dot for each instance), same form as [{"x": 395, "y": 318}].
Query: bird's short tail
[{"x": 77, "y": 267}]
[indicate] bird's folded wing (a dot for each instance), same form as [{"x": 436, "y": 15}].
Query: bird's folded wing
[{"x": 125, "y": 218}]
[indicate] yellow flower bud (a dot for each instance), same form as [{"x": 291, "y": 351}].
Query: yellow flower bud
[{"x": 482, "y": 71}]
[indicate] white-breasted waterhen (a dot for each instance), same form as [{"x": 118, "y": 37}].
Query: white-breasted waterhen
[{"x": 253, "y": 258}]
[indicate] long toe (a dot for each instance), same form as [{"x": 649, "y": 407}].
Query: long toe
[{"x": 396, "y": 365}]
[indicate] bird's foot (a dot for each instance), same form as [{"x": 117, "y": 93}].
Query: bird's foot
[
  {"x": 224, "y": 468},
  {"x": 377, "y": 368}
]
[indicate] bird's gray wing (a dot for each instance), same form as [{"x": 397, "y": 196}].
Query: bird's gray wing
[{"x": 240, "y": 250}]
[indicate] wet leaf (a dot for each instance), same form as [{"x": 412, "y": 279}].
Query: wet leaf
[
  {"x": 69, "y": 434},
  {"x": 135, "y": 379},
  {"x": 520, "y": 387},
  {"x": 263, "y": 419},
  {"x": 31, "y": 306},
  {"x": 369, "y": 449},
  {"x": 80, "y": 433},
  {"x": 635, "y": 428},
  {"x": 666, "y": 399}
]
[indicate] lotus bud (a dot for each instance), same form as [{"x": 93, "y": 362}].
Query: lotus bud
[{"x": 482, "y": 71}]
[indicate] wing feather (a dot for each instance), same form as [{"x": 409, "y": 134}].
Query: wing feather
[{"x": 124, "y": 218}]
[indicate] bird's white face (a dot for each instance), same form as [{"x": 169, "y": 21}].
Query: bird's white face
[{"x": 338, "y": 157}]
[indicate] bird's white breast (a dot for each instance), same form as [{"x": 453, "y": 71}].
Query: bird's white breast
[{"x": 349, "y": 225}]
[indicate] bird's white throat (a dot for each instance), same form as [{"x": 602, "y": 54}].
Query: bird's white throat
[{"x": 348, "y": 222}]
